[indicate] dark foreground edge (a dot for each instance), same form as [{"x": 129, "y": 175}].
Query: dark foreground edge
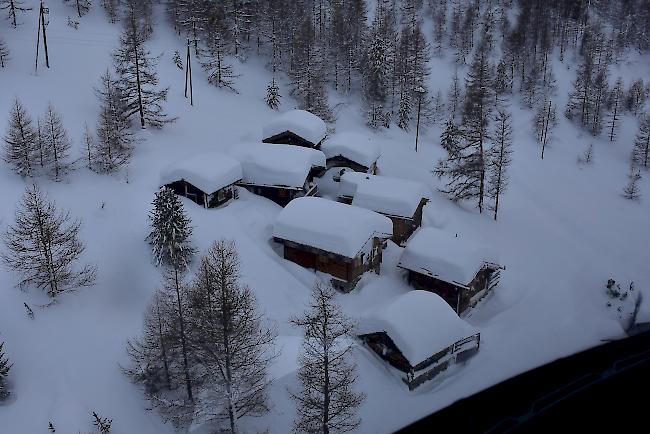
[{"x": 601, "y": 389}]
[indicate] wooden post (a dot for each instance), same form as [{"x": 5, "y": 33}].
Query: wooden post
[
  {"x": 45, "y": 11},
  {"x": 188, "y": 73}
]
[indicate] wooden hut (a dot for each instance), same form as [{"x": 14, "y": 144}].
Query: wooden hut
[
  {"x": 419, "y": 335},
  {"x": 351, "y": 150},
  {"x": 295, "y": 127},
  {"x": 400, "y": 200},
  {"x": 279, "y": 172},
  {"x": 208, "y": 179},
  {"x": 340, "y": 240},
  {"x": 457, "y": 270}
]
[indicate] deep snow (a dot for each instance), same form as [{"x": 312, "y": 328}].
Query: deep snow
[{"x": 563, "y": 230}]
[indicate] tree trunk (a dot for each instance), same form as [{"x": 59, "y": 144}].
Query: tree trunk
[{"x": 181, "y": 322}]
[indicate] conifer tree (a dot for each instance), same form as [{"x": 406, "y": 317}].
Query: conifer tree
[
  {"x": 454, "y": 96},
  {"x": 230, "y": 338},
  {"x": 114, "y": 142},
  {"x": 636, "y": 97},
  {"x": 5, "y": 367},
  {"x": 137, "y": 76},
  {"x": 81, "y": 6},
  {"x": 499, "y": 158},
  {"x": 56, "y": 142},
  {"x": 20, "y": 141},
  {"x": 450, "y": 137},
  {"x": 377, "y": 59},
  {"x": 631, "y": 190},
  {"x": 13, "y": 8},
  {"x": 220, "y": 70},
  {"x": 615, "y": 104},
  {"x": 544, "y": 124},
  {"x": 4, "y": 53},
  {"x": 641, "y": 152},
  {"x": 273, "y": 95},
  {"x": 43, "y": 247},
  {"x": 326, "y": 401}
]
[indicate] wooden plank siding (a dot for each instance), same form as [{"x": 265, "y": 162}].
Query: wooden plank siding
[
  {"x": 346, "y": 271},
  {"x": 219, "y": 197}
]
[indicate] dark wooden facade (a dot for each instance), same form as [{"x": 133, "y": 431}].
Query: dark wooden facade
[
  {"x": 340, "y": 161},
  {"x": 346, "y": 272},
  {"x": 459, "y": 297},
  {"x": 289, "y": 138},
  {"x": 403, "y": 227},
  {"x": 207, "y": 200},
  {"x": 280, "y": 194},
  {"x": 385, "y": 348}
]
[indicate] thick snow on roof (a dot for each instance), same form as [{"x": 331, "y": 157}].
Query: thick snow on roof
[
  {"x": 444, "y": 256},
  {"x": 330, "y": 226},
  {"x": 300, "y": 122},
  {"x": 420, "y": 323},
  {"x": 285, "y": 165},
  {"x": 392, "y": 196},
  {"x": 353, "y": 146},
  {"x": 210, "y": 171}
]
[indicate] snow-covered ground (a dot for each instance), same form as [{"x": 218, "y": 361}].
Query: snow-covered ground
[{"x": 563, "y": 230}]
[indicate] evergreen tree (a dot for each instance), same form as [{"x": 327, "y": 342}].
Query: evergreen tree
[
  {"x": 56, "y": 142},
  {"x": 641, "y": 152},
  {"x": 13, "y": 8},
  {"x": 631, "y": 190},
  {"x": 636, "y": 97},
  {"x": 615, "y": 104},
  {"x": 5, "y": 367},
  {"x": 81, "y": 6},
  {"x": 502, "y": 82},
  {"x": 450, "y": 137},
  {"x": 112, "y": 8},
  {"x": 170, "y": 230},
  {"x": 89, "y": 142},
  {"x": 137, "y": 77},
  {"x": 326, "y": 401},
  {"x": 230, "y": 338},
  {"x": 43, "y": 247},
  {"x": 177, "y": 60},
  {"x": 4, "y": 53},
  {"x": 220, "y": 70},
  {"x": 599, "y": 100},
  {"x": 499, "y": 158},
  {"x": 579, "y": 102},
  {"x": 544, "y": 124},
  {"x": 20, "y": 141},
  {"x": 376, "y": 67},
  {"x": 273, "y": 95},
  {"x": 454, "y": 96},
  {"x": 114, "y": 142}
]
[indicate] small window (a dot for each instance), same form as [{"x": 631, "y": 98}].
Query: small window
[{"x": 221, "y": 195}]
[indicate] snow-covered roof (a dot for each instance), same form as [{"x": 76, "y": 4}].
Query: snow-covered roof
[
  {"x": 353, "y": 146},
  {"x": 420, "y": 323},
  {"x": 210, "y": 171},
  {"x": 392, "y": 196},
  {"x": 444, "y": 256},
  {"x": 277, "y": 165},
  {"x": 330, "y": 226},
  {"x": 300, "y": 122}
]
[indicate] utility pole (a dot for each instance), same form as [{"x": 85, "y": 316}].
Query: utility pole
[
  {"x": 188, "y": 70},
  {"x": 42, "y": 25},
  {"x": 420, "y": 91}
]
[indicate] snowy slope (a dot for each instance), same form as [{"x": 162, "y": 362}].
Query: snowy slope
[{"x": 563, "y": 230}]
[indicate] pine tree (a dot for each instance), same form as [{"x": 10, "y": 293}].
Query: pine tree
[
  {"x": 230, "y": 338},
  {"x": 641, "y": 152},
  {"x": 376, "y": 66},
  {"x": 220, "y": 70},
  {"x": 112, "y": 8},
  {"x": 13, "y": 8},
  {"x": 502, "y": 82},
  {"x": 636, "y": 97},
  {"x": 599, "y": 100},
  {"x": 81, "y": 6},
  {"x": 544, "y": 124},
  {"x": 327, "y": 401},
  {"x": 499, "y": 158},
  {"x": 579, "y": 102},
  {"x": 631, "y": 190},
  {"x": 454, "y": 96},
  {"x": 20, "y": 141},
  {"x": 5, "y": 367},
  {"x": 90, "y": 144},
  {"x": 56, "y": 142},
  {"x": 4, "y": 53},
  {"x": 273, "y": 95},
  {"x": 450, "y": 137},
  {"x": 113, "y": 146},
  {"x": 587, "y": 155},
  {"x": 137, "y": 77},
  {"x": 177, "y": 60},
  {"x": 43, "y": 247},
  {"x": 170, "y": 230},
  {"x": 615, "y": 104}
]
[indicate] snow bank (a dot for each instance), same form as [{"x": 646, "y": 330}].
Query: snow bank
[
  {"x": 210, "y": 171},
  {"x": 391, "y": 196},
  {"x": 300, "y": 122},
  {"x": 281, "y": 165},
  {"x": 450, "y": 258},
  {"x": 330, "y": 226},
  {"x": 353, "y": 146},
  {"x": 420, "y": 323},
  {"x": 643, "y": 315}
]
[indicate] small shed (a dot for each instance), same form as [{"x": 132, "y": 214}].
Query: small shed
[
  {"x": 419, "y": 335},
  {"x": 400, "y": 200},
  {"x": 456, "y": 269},
  {"x": 340, "y": 240},
  {"x": 279, "y": 172},
  {"x": 295, "y": 127},
  {"x": 351, "y": 150},
  {"x": 208, "y": 179}
]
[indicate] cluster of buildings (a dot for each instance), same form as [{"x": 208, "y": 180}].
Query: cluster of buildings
[{"x": 420, "y": 333}]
